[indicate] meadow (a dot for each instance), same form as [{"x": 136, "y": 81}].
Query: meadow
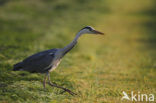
[{"x": 98, "y": 69}]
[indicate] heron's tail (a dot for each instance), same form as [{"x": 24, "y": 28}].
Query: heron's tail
[{"x": 17, "y": 66}]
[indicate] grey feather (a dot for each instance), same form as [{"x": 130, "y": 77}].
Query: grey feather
[{"x": 40, "y": 62}]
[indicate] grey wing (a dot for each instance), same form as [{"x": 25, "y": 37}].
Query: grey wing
[{"x": 39, "y": 62}]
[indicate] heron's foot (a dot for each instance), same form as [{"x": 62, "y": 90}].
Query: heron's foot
[
  {"x": 64, "y": 89},
  {"x": 69, "y": 91}
]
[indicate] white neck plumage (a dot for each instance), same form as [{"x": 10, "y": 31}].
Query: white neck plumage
[{"x": 71, "y": 45}]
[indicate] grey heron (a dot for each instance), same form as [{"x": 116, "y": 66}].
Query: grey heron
[{"x": 46, "y": 61}]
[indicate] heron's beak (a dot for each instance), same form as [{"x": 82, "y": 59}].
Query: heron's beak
[{"x": 98, "y": 32}]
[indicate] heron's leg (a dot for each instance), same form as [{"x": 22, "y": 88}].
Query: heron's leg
[
  {"x": 49, "y": 81},
  {"x": 45, "y": 78},
  {"x": 55, "y": 85}
]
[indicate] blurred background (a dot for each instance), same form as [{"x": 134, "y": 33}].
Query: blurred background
[{"x": 99, "y": 68}]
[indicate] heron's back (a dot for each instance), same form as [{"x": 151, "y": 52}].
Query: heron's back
[{"x": 40, "y": 62}]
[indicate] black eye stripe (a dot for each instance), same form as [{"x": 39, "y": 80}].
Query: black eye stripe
[{"x": 87, "y": 27}]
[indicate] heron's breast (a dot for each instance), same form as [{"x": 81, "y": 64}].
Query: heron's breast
[{"x": 55, "y": 64}]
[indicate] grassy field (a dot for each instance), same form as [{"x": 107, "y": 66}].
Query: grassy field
[{"x": 99, "y": 68}]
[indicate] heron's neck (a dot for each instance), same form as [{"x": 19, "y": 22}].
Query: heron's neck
[{"x": 71, "y": 45}]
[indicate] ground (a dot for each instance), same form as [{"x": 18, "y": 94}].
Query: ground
[{"x": 99, "y": 68}]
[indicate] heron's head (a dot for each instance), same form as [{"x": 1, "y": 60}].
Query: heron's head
[{"x": 90, "y": 30}]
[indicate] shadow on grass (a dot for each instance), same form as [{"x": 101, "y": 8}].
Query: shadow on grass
[
  {"x": 149, "y": 26},
  {"x": 3, "y": 2},
  {"x": 148, "y": 39}
]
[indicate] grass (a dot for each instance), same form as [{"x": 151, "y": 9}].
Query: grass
[{"x": 98, "y": 68}]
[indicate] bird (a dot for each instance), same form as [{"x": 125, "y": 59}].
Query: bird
[{"x": 48, "y": 60}]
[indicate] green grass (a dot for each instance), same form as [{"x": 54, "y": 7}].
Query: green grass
[{"x": 98, "y": 68}]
